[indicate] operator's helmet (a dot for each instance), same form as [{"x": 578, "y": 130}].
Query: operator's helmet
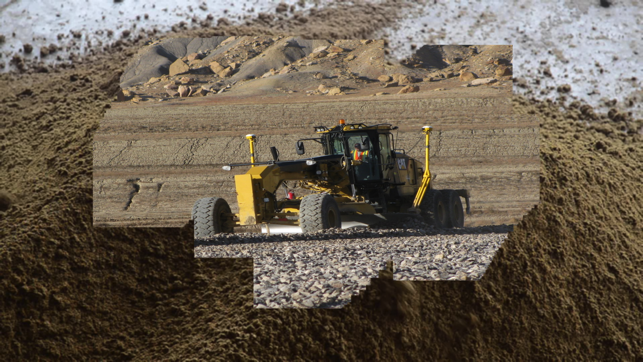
[{"x": 358, "y": 146}]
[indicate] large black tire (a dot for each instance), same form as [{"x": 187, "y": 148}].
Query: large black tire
[
  {"x": 319, "y": 212},
  {"x": 434, "y": 210},
  {"x": 454, "y": 209},
  {"x": 210, "y": 215}
]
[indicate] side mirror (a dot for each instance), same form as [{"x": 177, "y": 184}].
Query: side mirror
[
  {"x": 365, "y": 144},
  {"x": 300, "y": 148}
]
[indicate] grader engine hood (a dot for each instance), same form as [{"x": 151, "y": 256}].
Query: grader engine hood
[{"x": 256, "y": 189}]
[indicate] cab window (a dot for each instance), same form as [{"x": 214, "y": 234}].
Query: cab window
[{"x": 385, "y": 149}]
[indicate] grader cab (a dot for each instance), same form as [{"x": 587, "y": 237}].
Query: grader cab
[{"x": 360, "y": 173}]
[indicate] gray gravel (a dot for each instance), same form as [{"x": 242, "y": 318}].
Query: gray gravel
[{"x": 324, "y": 269}]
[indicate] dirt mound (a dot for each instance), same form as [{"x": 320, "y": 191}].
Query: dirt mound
[
  {"x": 566, "y": 282},
  {"x": 246, "y": 65},
  {"x": 282, "y": 53},
  {"x": 155, "y": 60}
]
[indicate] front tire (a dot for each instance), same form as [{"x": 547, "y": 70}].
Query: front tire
[
  {"x": 319, "y": 212},
  {"x": 211, "y": 216}
]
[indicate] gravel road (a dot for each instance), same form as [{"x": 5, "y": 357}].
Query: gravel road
[{"x": 323, "y": 270}]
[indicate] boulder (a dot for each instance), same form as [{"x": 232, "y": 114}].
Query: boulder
[
  {"x": 225, "y": 72},
  {"x": 503, "y": 70},
  {"x": 335, "y": 49},
  {"x": 409, "y": 89},
  {"x": 194, "y": 56},
  {"x": 321, "y": 54},
  {"x": 403, "y": 78},
  {"x": 391, "y": 84},
  {"x": 172, "y": 93},
  {"x": 216, "y": 67},
  {"x": 319, "y": 49},
  {"x": 186, "y": 80},
  {"x": 335, "y": 91},
  {"x": 178, "y": 67},
  {"x": 322, "y": 88},
  {"x": 467, "y": 76},
  {"x": 184, "y": 91},
  {"x": 481, "y": 81},
  {"x": 406, "y": 79},
  {"x": 200, "y": 92},
  {"x": 384, "y": 78}
]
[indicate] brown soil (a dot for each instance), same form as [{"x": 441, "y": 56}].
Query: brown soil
[{"x": 565, "y": 285}]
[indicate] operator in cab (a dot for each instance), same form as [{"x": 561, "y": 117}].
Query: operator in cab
[
  {"x": 358, "y": 153},
  {"x": 363, "y": 170}
]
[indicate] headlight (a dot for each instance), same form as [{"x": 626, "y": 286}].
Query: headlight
[
  {"x": 310, "y": 162},
  {"x": 226, "y": 168}
]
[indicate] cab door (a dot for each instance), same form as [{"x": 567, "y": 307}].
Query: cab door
[{"x": 386, "y": 158}]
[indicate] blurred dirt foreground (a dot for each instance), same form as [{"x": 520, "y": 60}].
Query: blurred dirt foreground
[{"x": 566, "y": 283}]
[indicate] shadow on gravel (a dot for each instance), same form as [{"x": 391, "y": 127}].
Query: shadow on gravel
[{"x": 349, "y": 234}]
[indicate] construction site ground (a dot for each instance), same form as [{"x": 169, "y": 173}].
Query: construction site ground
[{"x": 154, "y": 159}]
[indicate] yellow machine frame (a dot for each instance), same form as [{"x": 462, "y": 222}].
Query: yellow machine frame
[{"x": 256, "y": 189}]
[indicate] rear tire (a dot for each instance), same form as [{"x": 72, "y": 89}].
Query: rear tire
[
  {"x": 454, "y": 209},
  {"x": 318, "y": 212},
  {"x": 211, "y": 217},
  {"x": 434, "y": 209}
]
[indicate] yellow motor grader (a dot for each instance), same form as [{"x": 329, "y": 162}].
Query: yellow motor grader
[{"x": 360, "y": 173}]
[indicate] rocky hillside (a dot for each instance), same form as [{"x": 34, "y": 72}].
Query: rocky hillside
[{"x": 193, "y": 67}]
